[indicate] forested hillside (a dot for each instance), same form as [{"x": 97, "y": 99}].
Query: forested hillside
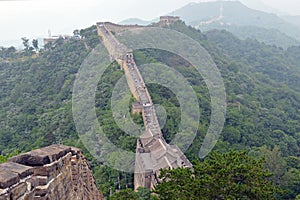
[
  {"x": 262, "y": 86},
  {"x": 36, "y": 91},
  {"x": 242, "y": 21}
]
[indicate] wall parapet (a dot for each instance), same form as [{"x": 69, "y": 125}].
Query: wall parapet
[
  {"x": 152, "y": 151},
  {"x": 55, "y": 172},
  {"x": 117, "y": 28}
]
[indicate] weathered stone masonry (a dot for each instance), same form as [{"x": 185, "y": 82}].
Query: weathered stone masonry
[
  {"x": 56, "y": 172},
  {"x": 152, "y": 151}
]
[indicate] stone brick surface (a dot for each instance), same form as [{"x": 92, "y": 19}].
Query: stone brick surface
[
  {"x": 21, "y": 170},
  {"x": 8, "y": 178},
  {"x": 56, "y": 172},
  {"x": 152, "y": 151},
  {"x": 19, "y": 190},
  {"x": 43, "y": 156}
]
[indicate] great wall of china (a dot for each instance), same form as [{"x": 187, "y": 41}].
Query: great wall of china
[
  {"x": 60, "y": 172},
  {"x": 56, "y": 172},
  {"x": 152, "y": 151}
]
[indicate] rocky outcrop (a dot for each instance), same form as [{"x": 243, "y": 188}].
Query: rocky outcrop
[{"x": 56, "y": 172}]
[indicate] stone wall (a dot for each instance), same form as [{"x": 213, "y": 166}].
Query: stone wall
[
  {"x": 56, "y": 172},
  {"x": 117, "y": 28},
  {"x": 167, "y": 20},
  {"x": 152, "y": 151}
]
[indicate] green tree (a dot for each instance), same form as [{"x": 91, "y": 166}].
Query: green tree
[
  {"x": 293, "y": 162},
  {"x": 232, "y": 175},
  {"x": 25, "y": 42},
  {"x": 35, "y": 44},
  {"x": 291, "y": 183},
  {"x": 274, "y": 162},
  {"x": 76, "y": 32},
  {"x": 7, "y": 52},
  {"x": 232, "y": 135},
  {"x": 145, "y": 194},
  {"x": 127, "y": 194}
]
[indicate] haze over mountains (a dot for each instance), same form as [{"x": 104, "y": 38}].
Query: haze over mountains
[
  {"x": 240, "y": 20},
  {"x": 261, "y": 77},
  {"x": 64, "y": 21},
  {"x": 259, "y": 5},
  {"x": 262, "y": 89},
  {"x": 293, "y": 19}
]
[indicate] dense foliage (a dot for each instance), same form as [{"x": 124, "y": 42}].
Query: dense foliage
[
  {"x": 129, "y": 194},
  {"x": 36, "y": 91},
  {"x": 262, "y": 86},
  {"x": 232, "y": 175}
]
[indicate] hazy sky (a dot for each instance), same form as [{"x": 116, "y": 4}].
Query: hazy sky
[{"x": 32, "y": 18}]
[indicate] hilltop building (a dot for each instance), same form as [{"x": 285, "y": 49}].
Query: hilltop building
[{"x": 167, "y": 20}]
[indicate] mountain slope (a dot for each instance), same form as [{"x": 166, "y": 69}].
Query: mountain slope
[
  {"x": 205, "y": 15},
  {"x": 268, "y": 36},
  {"x": 262, "y": 88},
  {"x": 259, "y": 5},
  {"x": 36, "y": 91},
  {"x": 292, "y": 19},
  {"x": 264, "y": 79}
]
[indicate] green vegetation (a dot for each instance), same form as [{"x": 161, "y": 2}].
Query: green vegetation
[
  {"x": 232, "y": 175},
  {"x": 36, "y": 91},
  {"x": 4, "y": 158},
  {"x": 262, "y": 86},
  {"x": 268, "y": 36},
  {"x": 140, "y": 194}
]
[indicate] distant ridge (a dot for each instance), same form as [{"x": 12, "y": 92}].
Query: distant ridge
[
  {"x": 228, "y": 14},
  {"x": 238, "y": 19},
  {"x": 135, "y": 21}
]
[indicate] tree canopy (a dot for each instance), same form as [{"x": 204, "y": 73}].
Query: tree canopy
[{"x": 232, "y": 175}]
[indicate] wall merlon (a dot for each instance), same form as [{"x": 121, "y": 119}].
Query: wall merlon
[
  {"x": 43, "y": 156},
  {"x": 48, "y": 173}
]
